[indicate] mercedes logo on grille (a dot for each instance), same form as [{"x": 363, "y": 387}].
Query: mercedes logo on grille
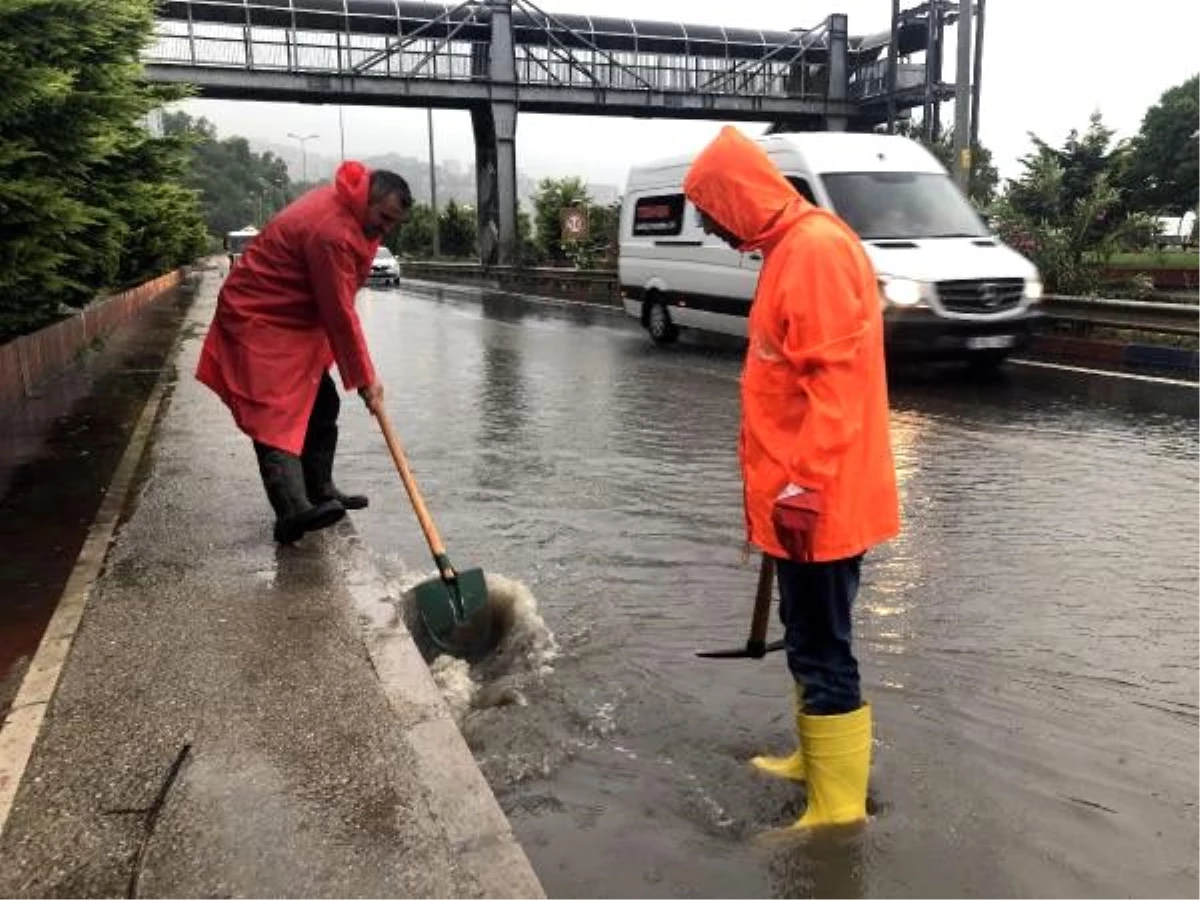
[{"x": 989, "y": 295}]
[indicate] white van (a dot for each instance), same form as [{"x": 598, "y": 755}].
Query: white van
[{"x": 951, "y": 289}]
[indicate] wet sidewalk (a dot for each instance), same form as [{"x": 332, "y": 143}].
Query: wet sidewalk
[{"x": 234, "y": 718}]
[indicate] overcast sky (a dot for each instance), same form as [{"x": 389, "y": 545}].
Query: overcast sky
[{"x": 1047, "y": 65}]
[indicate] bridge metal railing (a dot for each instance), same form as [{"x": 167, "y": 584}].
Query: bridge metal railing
[
  {"x": 454, "y": 45},
  {"x": 258, "y": 48},
  {"x": 870, "y": 81}
]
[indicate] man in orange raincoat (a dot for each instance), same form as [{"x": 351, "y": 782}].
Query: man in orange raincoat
[
  {"x": 284, "y": 315},
  {"x": 820, "y": 486}
]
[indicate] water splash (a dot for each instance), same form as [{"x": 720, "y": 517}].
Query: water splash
[
  {"x": 520, "y": 723},
  {"x": 522, "y": 657}
]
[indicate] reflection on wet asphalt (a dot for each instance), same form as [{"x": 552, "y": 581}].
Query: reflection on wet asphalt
[
  {"x": 57, "y": 456},
  {"x": 1029, "y": 642}
]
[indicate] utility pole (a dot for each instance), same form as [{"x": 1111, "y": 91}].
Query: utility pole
[
  {"x": 303, "y": 139},
  {"x": 892, "y": 62},
  {"x": 978, "y": 79},
  {"x": 933, "y": 73},
  {"x": 437, "y": 243},
  {"x": 962, "y": 100}
]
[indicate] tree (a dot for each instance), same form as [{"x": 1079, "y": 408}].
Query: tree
[
  {"x": 84, "y": 187},
  {"x": 552, "y": 197},
  {"x": 1065, "y": 211},
  {"x": 238, "y": 187},
  {"x": 985, "y": 177},
  {"x": 1163, "y": 171},
  {"x": 415, "y": 237},
  {"x": 161, "y": 219},
  {"x": 457, "y": 230}
]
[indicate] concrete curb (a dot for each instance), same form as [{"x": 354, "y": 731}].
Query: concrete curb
[
  {"x": 1132, "y": 354},
  {"x": 466, "y": 808}
]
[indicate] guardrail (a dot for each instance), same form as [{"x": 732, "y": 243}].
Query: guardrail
[
  {"x": 1125, "y": 315},
  {"x": 585, "y": 285},
  {"x": 1081, "y": 330},
  {"x": 601, "y": 286},
  {"x": 1074, "y": 329}
]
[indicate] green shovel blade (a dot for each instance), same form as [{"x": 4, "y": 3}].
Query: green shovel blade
[{"x": 455, "y": 612}]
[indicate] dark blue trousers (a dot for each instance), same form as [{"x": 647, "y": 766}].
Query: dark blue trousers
[{"x": 814, "y": 605}]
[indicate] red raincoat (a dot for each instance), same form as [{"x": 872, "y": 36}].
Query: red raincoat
[
  {"x": 814, "y": 391},
  {"x": 286, "y": 313}
]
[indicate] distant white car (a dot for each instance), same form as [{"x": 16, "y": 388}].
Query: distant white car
[{"x": 385, "y": 269}]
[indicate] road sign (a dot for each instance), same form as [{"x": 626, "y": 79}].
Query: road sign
[{"x": 574, "y": 224}]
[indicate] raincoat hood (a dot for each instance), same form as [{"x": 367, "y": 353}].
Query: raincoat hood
[
  {"x": 735, "y": 183},
  {"x": 353, "y": 183}
]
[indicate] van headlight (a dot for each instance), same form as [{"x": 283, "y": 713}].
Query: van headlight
[
  {"x": 1033, "y": 290},
  {"x": 902, "y": 291}
]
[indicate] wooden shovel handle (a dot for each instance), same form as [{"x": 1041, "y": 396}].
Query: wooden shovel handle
[
  {"x": 762, "y": 601},
  {"x": 431, "y": 533}
]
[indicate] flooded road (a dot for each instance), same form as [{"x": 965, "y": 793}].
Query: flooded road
[{"x": 1029, "y": 642}]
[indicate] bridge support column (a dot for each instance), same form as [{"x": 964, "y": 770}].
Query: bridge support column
[
  {"x": 839, "y": 70},
  {"x": 495, "y": 127}
]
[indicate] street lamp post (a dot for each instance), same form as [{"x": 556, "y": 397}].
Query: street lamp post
[
  {"x": 303, "y": 139},
  {"x": 437, "y": 244}
]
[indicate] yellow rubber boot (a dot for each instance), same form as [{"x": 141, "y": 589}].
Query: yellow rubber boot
[
  {"x": 837, "y": 757},
  {"x": 791, "y": 766}
]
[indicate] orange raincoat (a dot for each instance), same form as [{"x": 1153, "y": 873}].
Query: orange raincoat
[
  {"x": 814, "y": 391},
  {"x": 286, "y": 313}
]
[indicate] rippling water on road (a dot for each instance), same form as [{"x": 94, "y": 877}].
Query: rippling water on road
[{"x": 1029, "y": 642}]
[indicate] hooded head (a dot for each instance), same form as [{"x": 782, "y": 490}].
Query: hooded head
[
  {"x": 380, "y": 200},
  {"x": 735, "y": 184}
]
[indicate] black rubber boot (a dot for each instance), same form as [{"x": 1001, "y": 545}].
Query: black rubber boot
[
  {"x": 320, "y": 446},
  {"x": 318, "y": 455},
  {"x": 283, "y": 477}
]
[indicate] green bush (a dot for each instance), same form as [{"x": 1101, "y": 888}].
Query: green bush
[{"x": 89, "y": 198}]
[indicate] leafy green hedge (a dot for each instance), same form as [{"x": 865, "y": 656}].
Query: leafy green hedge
[{"x": 90, "y": 199}]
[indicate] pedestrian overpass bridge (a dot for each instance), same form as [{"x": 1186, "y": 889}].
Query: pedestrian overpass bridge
[{"x": 496, "y": 57}]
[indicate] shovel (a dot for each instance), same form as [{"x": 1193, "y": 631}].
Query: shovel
[
  {"x": 756, "y": 646},
  {"x": 453, "y": 608}
]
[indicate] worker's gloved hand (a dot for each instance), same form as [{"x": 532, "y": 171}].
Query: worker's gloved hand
[
  {"x": 795, "y": 518},
  {"x": 372, "y": 396}
]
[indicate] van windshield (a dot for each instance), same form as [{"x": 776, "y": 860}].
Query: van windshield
[{"x": 881, "y": 205}]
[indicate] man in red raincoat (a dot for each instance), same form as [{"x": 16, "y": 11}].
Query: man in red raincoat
[
  {"x": 820, "y": 485},
  {"x": 284, "y": 315}
]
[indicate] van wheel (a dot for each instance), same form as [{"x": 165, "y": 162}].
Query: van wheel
[{"x": 658, "y": 323}]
